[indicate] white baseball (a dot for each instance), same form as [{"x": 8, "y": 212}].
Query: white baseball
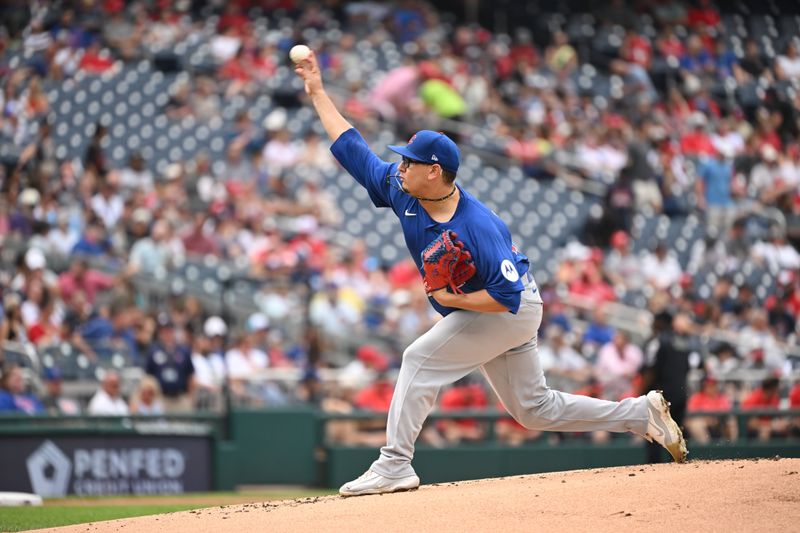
[{"x": 299, "y": 52}]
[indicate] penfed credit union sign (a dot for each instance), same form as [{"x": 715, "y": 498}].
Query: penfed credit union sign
[{"x": 92, "y": 466}]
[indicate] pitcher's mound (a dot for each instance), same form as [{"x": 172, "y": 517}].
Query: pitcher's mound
[{"x": 726, "y": 496}]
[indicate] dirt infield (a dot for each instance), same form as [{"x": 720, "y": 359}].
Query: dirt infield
[{"x": 743, "y": 495}]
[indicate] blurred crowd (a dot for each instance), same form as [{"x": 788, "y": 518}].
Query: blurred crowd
[{"x": 656, "y": 102}]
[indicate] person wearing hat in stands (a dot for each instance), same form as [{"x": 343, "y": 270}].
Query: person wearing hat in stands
[
  {"x": 170, "y": 362},
  {"x": 208, "y": 359},
  {"x": 246, "y": 359},
  {"x": 30, "y": 265},
  {"x": 310, "y": 390},
  {"x": 368, "y": 360},
  {"x": 55, "y": 402},
  {"x": 21, "y": 221}
]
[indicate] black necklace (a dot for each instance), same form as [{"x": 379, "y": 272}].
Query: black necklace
[{"x": 445, "y": 197}]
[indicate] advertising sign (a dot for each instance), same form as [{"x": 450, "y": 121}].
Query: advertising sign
[{"x": 89, "y": 466}]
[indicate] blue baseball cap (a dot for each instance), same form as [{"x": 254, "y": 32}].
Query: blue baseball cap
[
  {"x": 431, "y": 147},
  {"x": 52, "y": 373}
]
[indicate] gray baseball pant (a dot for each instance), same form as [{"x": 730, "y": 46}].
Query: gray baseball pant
[{"x": 504, "y": 347}]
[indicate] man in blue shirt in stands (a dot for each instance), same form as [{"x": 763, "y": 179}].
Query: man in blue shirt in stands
[
  {"x": 170, "y": 362},
  {"x": 490, "y": 324}
]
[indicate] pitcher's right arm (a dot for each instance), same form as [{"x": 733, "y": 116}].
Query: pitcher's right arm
[
  {"x": 349, "y": 148},
  {"x": 333, "y": 121}
]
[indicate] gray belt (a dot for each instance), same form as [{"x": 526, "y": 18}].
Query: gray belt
[{"x": 529, "y": 283}]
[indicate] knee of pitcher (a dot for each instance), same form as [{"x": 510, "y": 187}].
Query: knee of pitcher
[
  {"x": 537, "y": 412},
  {"x": 412, "y": 354}
]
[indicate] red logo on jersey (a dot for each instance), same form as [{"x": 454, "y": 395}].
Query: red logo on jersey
[{"x": 514, "y": 248}]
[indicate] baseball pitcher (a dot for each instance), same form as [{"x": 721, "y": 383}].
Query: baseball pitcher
[{"x": 481, "y": 284}]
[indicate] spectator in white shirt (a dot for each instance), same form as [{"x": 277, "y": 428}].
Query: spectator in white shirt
[
  {"x": 661, "y": 268},
  {"x": 564, "y": 367},
  {"x": 207, "y": 355},
  {"x": 108, "y": 401},
  {"x": 775, "y": 253},
  {"x": 727, "y": 139},
  {"x": 61, "y": 238},
  {"x": 787, "y": 66},
  {"x": 150, "y": 254},
  {"x": 280, "y": 152},
  {"x": 108, "y": 205},
  {"x": 772, "y": 176},
  {"x": 136, "y": 176},
  {"x": 246, "y": 360}
]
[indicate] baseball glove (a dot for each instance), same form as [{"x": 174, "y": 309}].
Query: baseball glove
[{"x": 446, "y": 263}]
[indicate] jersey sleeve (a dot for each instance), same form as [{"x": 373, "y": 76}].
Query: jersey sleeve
[
  {"x": 353, "y": 153},
  {"x": 496, "y": 264}
]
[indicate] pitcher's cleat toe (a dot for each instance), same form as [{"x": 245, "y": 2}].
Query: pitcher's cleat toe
[
  {"x": 662, "y": 429},
  {"x": 373, "y": 483}
]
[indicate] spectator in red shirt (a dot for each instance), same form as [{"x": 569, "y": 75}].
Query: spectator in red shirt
[
  {"x": 236, "y": 68},
  {"x": 376, "y": 396},
  {"x": 95, "y": 60},
  {"x": 704, "y": 15},
  {"x": 767, "y": 396},
  {"x": 794, "y": 397},
  {"x": 710, "y": 399},
  {"x": 794, "y": 403},
  {"x": 233, "y": 18},
  {"x": 697, "y": 142},
  {"x": 670, "y": 46},
  {"x": 592, "y": 285},
  {"x": 197, "y": 240},
  {"x": 523, "y": 51},
  {"x": 636, "y": 48},
  {"x": 463, "y": 396},
  {"x": 80, "y": 277}
]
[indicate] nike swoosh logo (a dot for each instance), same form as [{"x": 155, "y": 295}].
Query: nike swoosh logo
[
  {"x": 410, "y": 214},
  {"x": 661, "y": 433}
]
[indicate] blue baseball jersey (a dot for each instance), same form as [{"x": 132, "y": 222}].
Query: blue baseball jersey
[{"x": 500, "y": 266}]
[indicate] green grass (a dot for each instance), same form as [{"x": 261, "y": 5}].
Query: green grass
[
  {"x": 219, "y": 498},
  {"x": 22, "y": 518},
  {"x": 81, "y": 509}
]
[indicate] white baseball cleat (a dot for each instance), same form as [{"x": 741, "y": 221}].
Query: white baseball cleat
[
  {"x": 662, "y": 429},
  {"x": 373, "y": 483}
]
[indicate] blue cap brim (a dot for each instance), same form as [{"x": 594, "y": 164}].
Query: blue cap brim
[{"x": 404, "y": 151}]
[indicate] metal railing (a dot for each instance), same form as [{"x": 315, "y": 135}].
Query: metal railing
[
  {"x": 173, "y": 424},
  {"x": 491, "y": 416}
]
